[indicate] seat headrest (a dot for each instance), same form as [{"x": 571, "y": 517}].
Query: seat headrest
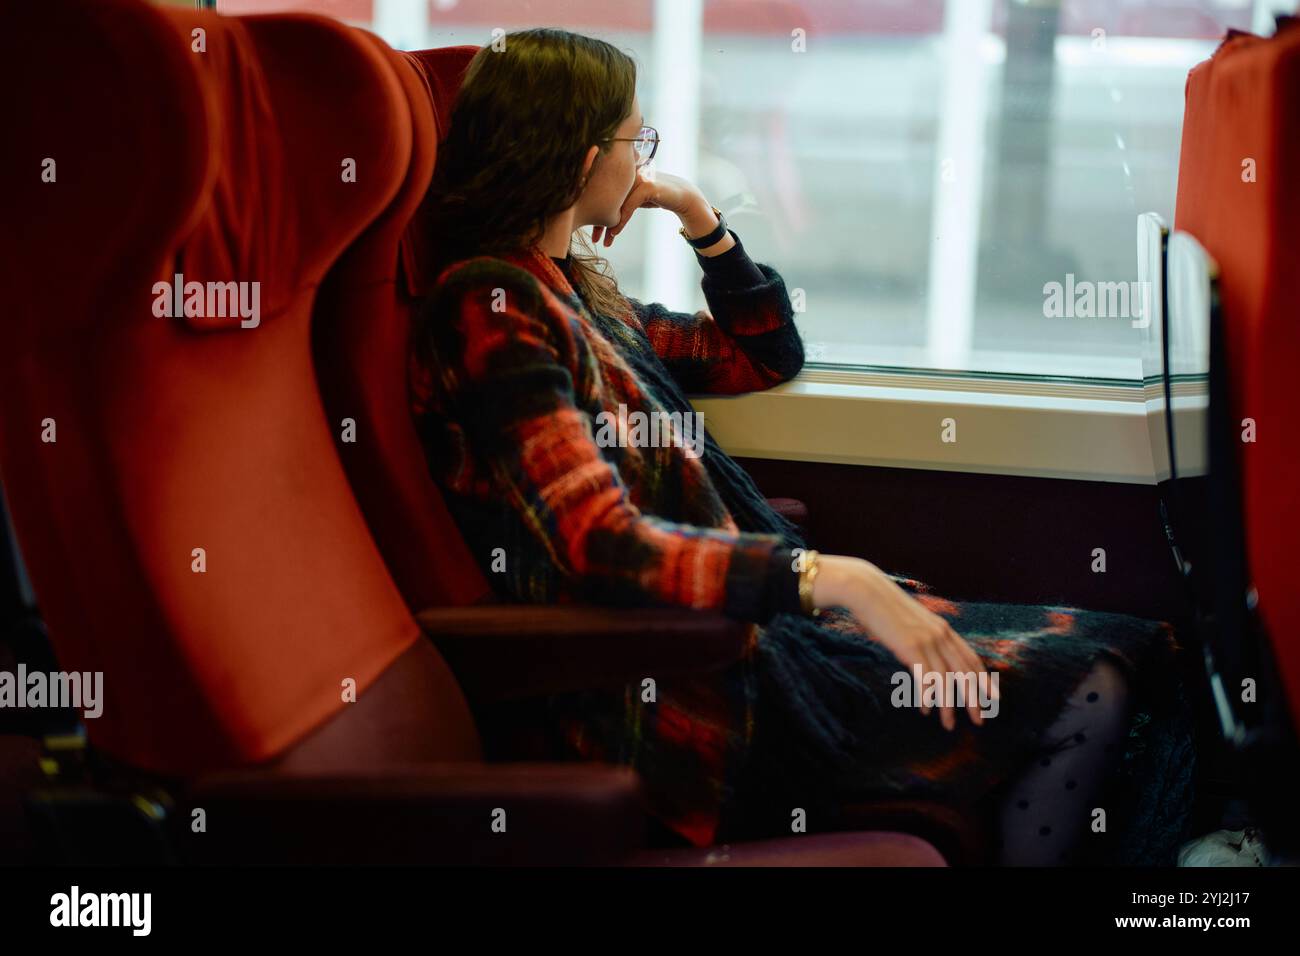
[
  {"x": 96, "y": 187},
  {"x": 299, "y": 173}
]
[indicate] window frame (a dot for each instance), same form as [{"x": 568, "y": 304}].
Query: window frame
[{"x": 1079, "y": 430}]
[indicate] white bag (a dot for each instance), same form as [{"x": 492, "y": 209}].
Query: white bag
[{"x": 1225, "y": 848}]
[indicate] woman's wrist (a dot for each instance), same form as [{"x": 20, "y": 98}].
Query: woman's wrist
[
  {"x": 697, "y": 217},
  {"x": 699, "y": 220},
  {"x": 839, "y": 576}
]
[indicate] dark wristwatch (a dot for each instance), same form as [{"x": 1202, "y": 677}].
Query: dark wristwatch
[{"x": 712, "y": 238}]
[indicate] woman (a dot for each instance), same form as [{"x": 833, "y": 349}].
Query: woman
[{"x": 525, "y": 349}]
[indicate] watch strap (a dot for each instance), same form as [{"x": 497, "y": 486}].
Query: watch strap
[{"x": 712, "y": 238}]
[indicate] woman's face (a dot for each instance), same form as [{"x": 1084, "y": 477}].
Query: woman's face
[{"x": 612, "y": 175}]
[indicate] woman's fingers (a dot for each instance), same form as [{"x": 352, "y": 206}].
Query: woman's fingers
[
  {"x": 911, "y": 657},
  {"x": 970, "y": 660},
  {"x": 976, "y": 704},
  {"x": 961, "y": 665},
  {"x": 945, "y": 668},
  {"x": 642, "y": 195},
  {"x": 970, "y": 663},
  {"x": 934, "y": 664},
  {"x": 923, "y": 653},
  {"x": 980, "y": 667},
  {"x": 949, "y": 658},
  {"x": 928, "y": 646},
  {"x": 642, "y": 190}
]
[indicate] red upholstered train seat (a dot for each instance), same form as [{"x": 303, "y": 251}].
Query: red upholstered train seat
[
  {"x": 195, "y": 432},
  {"x": 362, "y": 333},
  {"x": 1237, "y": 196}
]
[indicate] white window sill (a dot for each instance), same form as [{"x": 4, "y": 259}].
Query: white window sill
[{"x": 1038, "y": 428}]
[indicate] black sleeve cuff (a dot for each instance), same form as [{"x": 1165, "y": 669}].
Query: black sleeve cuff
[
  {"x": 781, "y": 590},
  {"x": 733, "y": 269}
]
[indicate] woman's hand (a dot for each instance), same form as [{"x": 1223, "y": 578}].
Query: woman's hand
[
  {"x": 911, "y": 631},
  {"x": 654, "y": 191}
]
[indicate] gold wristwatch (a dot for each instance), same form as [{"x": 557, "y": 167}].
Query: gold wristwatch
[{"x": 806, "y": 578}]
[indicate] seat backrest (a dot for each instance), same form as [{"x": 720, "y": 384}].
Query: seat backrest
[
  {"x": 96, "y": 194},
  {"x": 1241, "y": 134},
  {"x": 362, "y": 336},
  {"x": 191, "y": 534},
  {"x": 1218, "y": 575},
  {"x": 442, "y": 70}
]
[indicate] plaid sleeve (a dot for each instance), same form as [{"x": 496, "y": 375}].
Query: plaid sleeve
[
  {"x": 508, "y": 357},
  {"x": 745, "y": 341}
]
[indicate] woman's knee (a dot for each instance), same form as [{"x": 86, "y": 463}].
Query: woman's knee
[
  {"x": 1105, "y": 685},
  {"x": 1100, "y": 703}
]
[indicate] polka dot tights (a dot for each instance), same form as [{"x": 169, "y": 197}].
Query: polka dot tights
[{"x": 1048, "y": 809}]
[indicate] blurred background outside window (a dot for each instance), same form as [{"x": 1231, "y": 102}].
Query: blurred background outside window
[{"x": 922, "y": 170}]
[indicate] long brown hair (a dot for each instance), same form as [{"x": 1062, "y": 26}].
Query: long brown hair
[{"x": 530, "y": 106}]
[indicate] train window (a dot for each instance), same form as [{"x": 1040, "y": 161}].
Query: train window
[
  {"x": 927, "y": 174},
  {"x": 949, "y": 190}
]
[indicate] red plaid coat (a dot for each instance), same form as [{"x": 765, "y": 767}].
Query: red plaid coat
[{"x": 514, "y": 373}]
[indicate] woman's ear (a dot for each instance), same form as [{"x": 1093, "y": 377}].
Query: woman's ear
[{"x": 589, "y": 161}]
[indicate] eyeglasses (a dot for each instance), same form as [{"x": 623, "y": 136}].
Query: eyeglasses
[{"x": 647, "y": 143}]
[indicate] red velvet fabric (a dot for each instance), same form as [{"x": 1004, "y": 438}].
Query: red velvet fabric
[
  {"x": 1244, "y": 104},
  {"x": 363, "y": 323},
  {"x": 128, "y": 183},
  {"x": 176, "y": 434},
  {"x": 442, "y": 71}
]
